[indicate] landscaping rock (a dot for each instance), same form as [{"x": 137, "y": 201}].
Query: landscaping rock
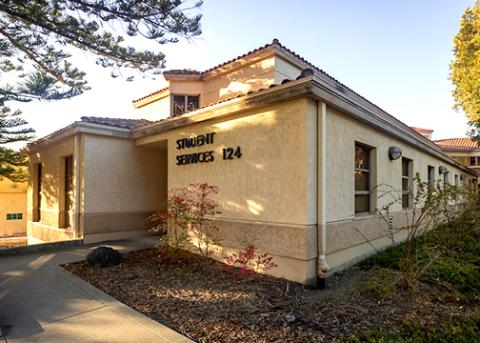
[
  {"x": 104, "y": 257},
  {"x": 291, "y": 319}
]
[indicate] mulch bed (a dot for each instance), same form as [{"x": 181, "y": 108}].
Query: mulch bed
[{"x": 206, "y": 302}]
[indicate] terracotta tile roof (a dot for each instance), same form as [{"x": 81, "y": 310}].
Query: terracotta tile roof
[
  {"x": 458, "y": 144},
  {"x": 162, "y": 90},
  {"x": 384, "y": 115},
  {"x": 183, "y": 72},
  {"x": 116, "y": 122},
  {"x": 275, "y": 42}
]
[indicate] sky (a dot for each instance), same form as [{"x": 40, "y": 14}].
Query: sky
[{"x": 394, "y": 53}]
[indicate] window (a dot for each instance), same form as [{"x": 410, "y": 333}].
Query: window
[
  {"x": 185, "y": 103},
  {"x": 456, "y": 180},
  {"x": 406, "y": 183},
  {"x": 37, "y": 201},
  {"x": 14, "y": 216},
  {"x": 362, "y": 178},
  {"x": 445, "y": 179},
  {"x": 68, "y": 193},
  {"x": 473, "y": 161},
  {"x": 431, "y": 176}
]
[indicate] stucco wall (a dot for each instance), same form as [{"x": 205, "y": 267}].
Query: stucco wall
[
  {"x": 266, "y": 197},
  {"x": 13, "y": 202},
  {"x": 187, "y": 87},
  {"x": 156, "y": 110},
  {"x": 223, "y": 85},
  {"x": 347, "y": 232},
  {"x": 123, "y": 185},
  {"x": 270, "y": 182},
  {"x": 342, "y": 134},
  {"x": 52, "y": 161},
  {"x": 250, "y": 77},
  {"x": 464, "y": 157}
]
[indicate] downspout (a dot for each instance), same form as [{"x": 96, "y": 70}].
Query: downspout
[
  {"x": 322, "y": 266},
  {"x": 77, "y": 159}
]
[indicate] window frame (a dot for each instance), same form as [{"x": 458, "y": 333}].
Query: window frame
[
  {"x": 68, "y": 190},
  {"x": 369, "y": 149},
  {"x": 37, "y": 194},
  {"x": 185, "y": 103},
  {"x": 408, "y": 191},
  {"x": 14, "y": 216}
]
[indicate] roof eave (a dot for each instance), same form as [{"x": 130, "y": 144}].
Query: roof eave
[
  {"x": 314, "y": 87},
  {"x": 148, "y": 99},
  {"x": 182, "y": 77},
  {"x": 77, "y": 128}
]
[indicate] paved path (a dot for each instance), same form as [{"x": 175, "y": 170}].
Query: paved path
[{"x": 45, "y": 303}]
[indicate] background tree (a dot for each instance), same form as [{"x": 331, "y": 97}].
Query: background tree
[
  {"x": 465, "y": 67},
  {"x": 37, "y": 38}
]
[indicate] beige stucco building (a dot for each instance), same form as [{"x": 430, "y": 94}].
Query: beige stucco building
[
  {"x": 296, "y": 156},
  {"x": 463, "y": 149},
  {"x": 13, "y": 208}
]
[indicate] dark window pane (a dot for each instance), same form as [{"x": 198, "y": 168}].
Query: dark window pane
[
  {"x": 362, "y": 182},
  {"x": 472, "y": 161},
  {"x": 362, "y": 157},
  {"x": 19, "y": 216},
  {"x": 405, "y": 167},
  {"x": 68, "y": 194},
  {"x": 362, "y": 203},
  {"x": 431, "y": 174},
  {"x": 405, "y": 200},
  {"x": 192, "y": 103},
  {"x": 178, "y": 104},
  {"x": 405, "y": 184}
]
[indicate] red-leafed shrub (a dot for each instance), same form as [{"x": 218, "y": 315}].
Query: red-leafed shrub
[
  {"x": 189, "y": 210},
  {"x": 249, "y": 262}
]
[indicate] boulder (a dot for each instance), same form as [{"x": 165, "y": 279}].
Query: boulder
[{"x": 104, "y": 257}]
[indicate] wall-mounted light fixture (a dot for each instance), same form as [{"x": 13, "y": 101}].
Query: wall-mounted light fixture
[
  {"x": 394, "y": 153},
  {"x": 442, "y": 170}
]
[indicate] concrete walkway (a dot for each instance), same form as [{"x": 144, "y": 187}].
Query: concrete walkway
[{"x": 44, "y": 303}]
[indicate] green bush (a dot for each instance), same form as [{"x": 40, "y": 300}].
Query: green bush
[
  {"x": 388, "y": 258},
  {"x": 449, "y": 254},
  {"x": 461, "y": 276},
  {"x": 457, "y": 329},
  {"x": 382, "y": 282}
]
